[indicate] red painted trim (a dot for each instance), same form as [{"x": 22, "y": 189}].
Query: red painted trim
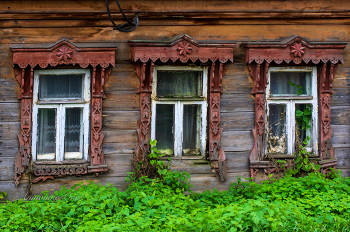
[{"x": 62, "y": 53}]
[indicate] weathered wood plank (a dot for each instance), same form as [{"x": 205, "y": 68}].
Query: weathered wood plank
[
  {"x": 10, "y": 112},
  {"x": 342, "y": 153},
  {"x": 233, "y": 141},
  {"x": 121, "y": 136},
  {"x": 118, "y": 164},
  {"x": 341, "y": 136},
  {"x": 9, "y": 130},
  {"x": 237, "y": 121},
  {"x": 237, "y": 161},
  {"x": 7, "y": 171},
  {"x": 191, "y": 166},
  {"x": 202, "y": 182},
  {"x": 119, "y": 148},
  {"x": 121, "y": 101},
  {"x": 8, "y": 148},
  {"x": 345, "y": 172},
  {"x": 237, "y": 103},
  {"x": 13, "y": 192},
  {"x": 120, "y": 120},
  {"x": 340, "y": 115},
  {"x": 174, "y": 6},
  {"x": 92, "y": 21},
  {"x": 232, "y": 33},
  {"x": 340, "y": 97}
]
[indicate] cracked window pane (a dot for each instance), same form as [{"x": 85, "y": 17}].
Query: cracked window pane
[
  {"x": 191, "y": 130},
  {"x": 61, "y": 87},
  {"x": 277, "y": 136},
  {"x": 46, "y": 134},
  {"x": 73, "y": 134},
  {"x": 179, "y": 83},
  {"x": 165, "y": 128},
  {"x": 290, "y": 83}
]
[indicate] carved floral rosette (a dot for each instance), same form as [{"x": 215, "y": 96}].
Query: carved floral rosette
[
  {"x": 292, "y": 51},
  {"x": 185, "y": 50},
  {"x": 66, "y": 54}
]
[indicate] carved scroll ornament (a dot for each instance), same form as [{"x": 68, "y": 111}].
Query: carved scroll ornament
[
  {"x": 185, "y": 50},
  {"x": 100, "y": 60},
  {"x": 292, "y": 51}
]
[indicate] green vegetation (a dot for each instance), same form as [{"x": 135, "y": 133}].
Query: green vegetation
[{"x": 310, "y": 203}]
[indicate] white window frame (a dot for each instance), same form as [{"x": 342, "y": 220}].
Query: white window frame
[
  {"x": 202, "y": 101},
  {"x": 60, "y": 105},
  {"x": 290, "y": 102}
]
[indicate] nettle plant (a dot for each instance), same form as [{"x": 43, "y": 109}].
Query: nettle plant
[{"x": 155, "y": 171}]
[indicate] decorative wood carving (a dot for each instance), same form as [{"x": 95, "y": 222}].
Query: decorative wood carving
[
  {"x": 62, "y": 53},
  {"x": 185, "y": 50},
  {"x": 97, "y": 157},
  {"x": 51, "y": 170},
  {"x": 292, "y": 51}
]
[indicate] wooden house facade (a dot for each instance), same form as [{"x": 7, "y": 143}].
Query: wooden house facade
[{"x": 216, "y": 83}]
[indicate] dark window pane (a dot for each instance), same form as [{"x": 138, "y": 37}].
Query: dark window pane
[
  {"x": 61, "y": 86},
  {"x": 277, "y": 137},
  {"x": 290, "y": 83},
  {"x": 303, "y": 120},
  {"x": 73, "y": 134},
  {"x": 179, "y": 83},
  {"x": 191, "y": 130},
  {"x": 46, "y": 134},
  {"x": 165, "y": 128}
]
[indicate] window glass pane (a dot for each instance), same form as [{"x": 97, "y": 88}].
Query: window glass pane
[
  {"x": 303, "y": 120},
  {"x": 179, "y": 83},
  {"x": 73, "y": 134},
  {"x": 290, "y": 83},
  {"x": 61, "y": 86},
  {"x": 47, "y": 134},
  {"x": 165, "y": 128},
  {"x": 191, "y": 130},
  {"x": 277, "y": 137}
]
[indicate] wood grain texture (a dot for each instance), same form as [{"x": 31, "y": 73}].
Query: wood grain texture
[
  {"x": 14, "y": 193},
  {"x": 341, "y": 136},
  {"x": 234, "y": 141}
]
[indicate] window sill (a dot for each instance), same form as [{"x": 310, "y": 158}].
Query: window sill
[
  {"x": 61, "y": 102},
  {"x": 289, "y": 97},
  {"x": 284, "y": 156},
  {"x": 179, "y": 99},
  {"x": 61, "y": 162},
  {"x": 198, "y": 157}
]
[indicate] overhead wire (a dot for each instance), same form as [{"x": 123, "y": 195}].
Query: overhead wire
[{"x": 126, "y": 27}]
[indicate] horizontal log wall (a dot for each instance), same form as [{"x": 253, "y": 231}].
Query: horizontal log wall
[{"x": 41, "y": 24}]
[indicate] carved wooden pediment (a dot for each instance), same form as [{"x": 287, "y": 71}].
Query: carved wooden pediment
[
  {"x": 183, "y": 48},
  {"x": 64, "y": 52},
  {"x": 294, "y": 49}
]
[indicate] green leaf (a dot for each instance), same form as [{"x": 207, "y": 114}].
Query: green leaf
[{"x": 298, "y": 113}]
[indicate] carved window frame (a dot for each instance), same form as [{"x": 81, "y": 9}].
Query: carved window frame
[
  {"x": 63, "y": 54},
  {"x": 293, "y": 51},
  {"x": 60, "y": 106},
  {"x": 178, "y": 128},
  {"x": 183, "y": 50}
]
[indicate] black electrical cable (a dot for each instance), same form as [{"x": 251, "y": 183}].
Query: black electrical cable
[{"x": 127, "y": 27}]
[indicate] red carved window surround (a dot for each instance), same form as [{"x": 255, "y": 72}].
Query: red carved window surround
[
  {"x": 62, "y": 54},
  {"x": 183, "y": 50},
  {"x": 293, "y": 51}
]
